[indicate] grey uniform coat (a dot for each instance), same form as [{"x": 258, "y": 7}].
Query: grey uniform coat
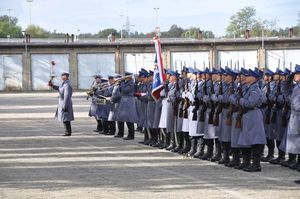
[
  {"x": 171, "y": 96},
  {"x": 225, "y": 130},
  {"x": 96, "y": 110},
  {"x": 200, "y": 94},
  {"x": 141, "y": 105},
  {"x": 115, "y": 99},
  {"x": 278, "y": 130},
  {"x": 236, "y": 132},
  {"x": 253, "y": 131},
  {"x": 150, "y": 107},
  {"x": 127, "y": 111},
  {"x": 268, "y": 127},
  {"x": 209, "y": 129},
  {"x": 64, "y": 102},
  {"x": 292, "y": 142}
]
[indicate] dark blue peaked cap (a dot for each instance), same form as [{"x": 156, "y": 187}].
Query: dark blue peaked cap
[
  {"x": 244, "y": 72},
  {"x": 297, "y": 68},
  {"x": 278, "y": 72},
  {"x": 287, "y": 72},
  {"x": 268, "y": 72},
  {"x": 254, "y": 73}
]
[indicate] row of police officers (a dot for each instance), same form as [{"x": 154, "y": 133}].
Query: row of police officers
[{"x": 225, "y": 116}]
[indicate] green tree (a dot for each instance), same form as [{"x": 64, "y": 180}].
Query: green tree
[
  {"x": 8, "y": 26},
  {"x": 245, "y": 19},
  {"x": 104, "y": 33},
  {"x": 36, "y": 31},
  {"x": 174, "y": 31},
  {"x": 192, "y": 32}
]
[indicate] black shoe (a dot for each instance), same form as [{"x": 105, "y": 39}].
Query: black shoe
[
  {"x": 242, "y": 166},
  {"x": 155, "y": 144},
  {"x": 206, "y": 156},
  {"x": 96, "y": 130},
  {"x": 216, "y": 158},
  {"x": 267, "y": 158},
  {"x": 66, "y": 135},
  {"x": 293, "y": 166},
  {"x": 276, "y": 160},
  {"x": 252, "y": 168},
  {"x": 176, "y": 149},
  {"x": 288, "y": 162},
  {"x": 297, "y": 181},
  {"x": 224, "y": 161},
  {"x": 118, "y": 136},
  {"x": 233, "y": 163},
  {"x": 128, "y": 138}
]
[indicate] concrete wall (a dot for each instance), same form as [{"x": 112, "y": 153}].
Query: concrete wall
[{"x": 212, "y": 49}]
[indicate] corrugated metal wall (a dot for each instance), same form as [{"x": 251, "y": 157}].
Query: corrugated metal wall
[
  {"x": 11, "y": 74},
  {"x": 282, "y": 59},
  {"x": 197, "y": 60},
  {"x": 42, "y": 69},
  {"x": 135, "y": 61},
  {"x": 92, "y": 64},
  {"x": 238, "y": 59}
]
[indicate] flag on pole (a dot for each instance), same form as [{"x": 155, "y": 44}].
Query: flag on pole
[{"x": 159, "y": 71}]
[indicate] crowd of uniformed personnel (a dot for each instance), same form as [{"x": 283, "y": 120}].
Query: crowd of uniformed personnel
[{"x": 220, "y": 115}]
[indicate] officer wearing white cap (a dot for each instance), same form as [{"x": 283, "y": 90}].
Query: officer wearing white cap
[{"x": 64, "y": 112}]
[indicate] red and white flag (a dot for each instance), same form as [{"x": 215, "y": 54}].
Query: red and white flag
[{"x": 159, "y": 76}]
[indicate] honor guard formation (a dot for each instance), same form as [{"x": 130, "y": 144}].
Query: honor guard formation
[{"x": 225, "y": 116}]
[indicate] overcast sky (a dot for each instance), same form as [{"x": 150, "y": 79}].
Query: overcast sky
[{"x": 93, "y": 15}]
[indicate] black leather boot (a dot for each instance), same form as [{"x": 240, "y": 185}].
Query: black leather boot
[
  {"x": 295, "y": 165},
  {"x": 235, "y": 162},
  {"x": 225, "y": 153},
  {"x": 217, "y": 157},
  {"x": 146, "y": 140},
  {"x": 256, "y": 155},
  {"x": 155, "y": 138},
  {"x": 130, "y": 135},
  {"x": 68, "y": 129},
  {"x": 246, "y": 153},
  {"x": 161, "y": 139},
  {"x": 193, "y": 149},
  {"x": 270, "y": 156},
  {"x": 279, "y": 159},
  {"x": 291, "y": 160},
  {"x": 120, "y": 130},
  {"x": 180, "y": 138},
  {"x": 200, "y": 148},
  {"x": 187, "y": 143},
  {"x": 167, "y": 140},
  {"x": 210, "y": 149},
  {"x": 172, "y": 142}
]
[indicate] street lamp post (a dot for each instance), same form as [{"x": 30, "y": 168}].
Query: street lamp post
[
  {"x": 121, "y": 28},
  {"x": 156, "y": 16},
  {"x": 30, "y": 2}
]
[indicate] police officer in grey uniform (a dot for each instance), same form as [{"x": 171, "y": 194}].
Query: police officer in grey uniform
[
  {"x": 127, "y": 110},
  {"x": 111, "y": 125},
  {"x": 253, "y": 132},
  {"x": 292, "y": 140},
  {"x": 64, "y": 112},
  {"x": 268, "y": 88}
]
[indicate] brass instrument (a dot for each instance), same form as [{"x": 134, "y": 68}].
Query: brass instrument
[{"x": 106, "y": 85}]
